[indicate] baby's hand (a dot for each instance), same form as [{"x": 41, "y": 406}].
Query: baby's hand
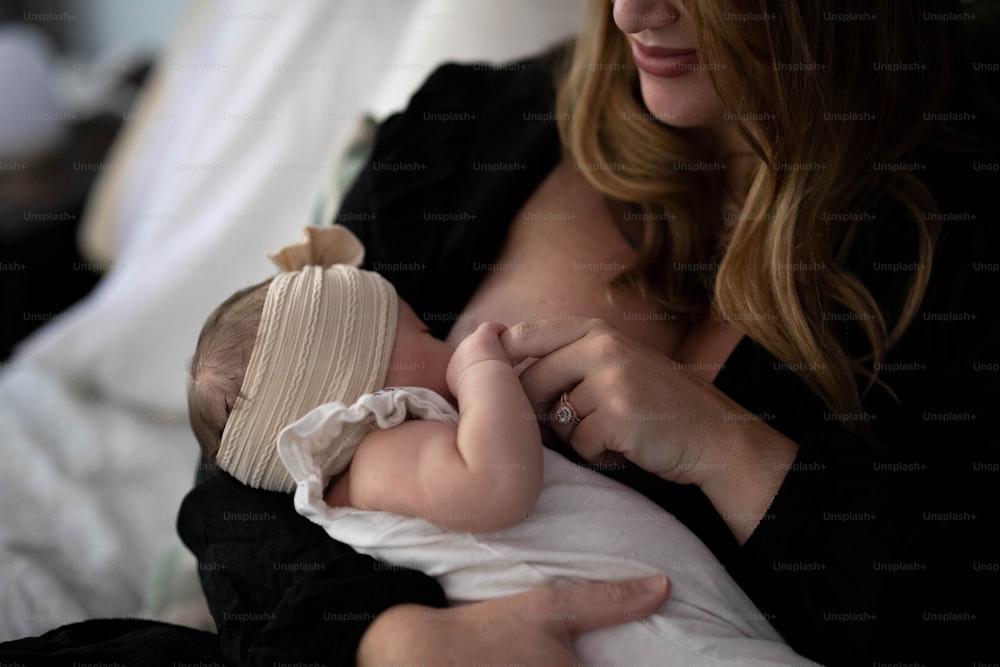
[{"x": 482, "y": 346}]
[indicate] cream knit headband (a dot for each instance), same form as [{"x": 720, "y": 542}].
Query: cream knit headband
[{"x": 326, "y": 335}]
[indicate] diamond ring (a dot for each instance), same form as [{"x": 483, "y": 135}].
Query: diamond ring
[{"x": 566, "y": 413}]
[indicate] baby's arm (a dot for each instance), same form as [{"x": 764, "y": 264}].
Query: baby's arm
[{"x": 483, "y": 476}]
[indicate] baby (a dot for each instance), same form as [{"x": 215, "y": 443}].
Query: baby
[{"x": 288, "y": 393}]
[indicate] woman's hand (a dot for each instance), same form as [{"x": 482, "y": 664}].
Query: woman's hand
[
  {"x": 638, "y": 403},
  {"x": 631, "y": 400},
  {"x": 533, "y": 628}
]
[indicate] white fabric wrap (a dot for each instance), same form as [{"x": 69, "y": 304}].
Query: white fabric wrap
[{"x": 585, "y": 526}]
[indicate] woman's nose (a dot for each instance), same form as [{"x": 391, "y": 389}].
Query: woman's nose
[{"x": 632, "y": 16}]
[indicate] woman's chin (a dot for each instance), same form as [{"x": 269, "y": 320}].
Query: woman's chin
[{"x": 676, "y": 103}]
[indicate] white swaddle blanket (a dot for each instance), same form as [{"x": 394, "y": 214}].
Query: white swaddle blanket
[{"x": 585, "y": 526}]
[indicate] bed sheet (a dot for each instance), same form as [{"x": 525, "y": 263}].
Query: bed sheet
[{"x": 232, "y": 144}]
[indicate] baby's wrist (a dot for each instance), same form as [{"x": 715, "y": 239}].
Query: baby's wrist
[{"x": 494, "y": 367}]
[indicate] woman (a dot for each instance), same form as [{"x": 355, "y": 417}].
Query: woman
[{"x": 754, "y": 258}]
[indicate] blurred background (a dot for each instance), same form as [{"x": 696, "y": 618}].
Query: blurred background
[
  {"x": 70, "y": 71},
  {"x": 152, "y": 152}
]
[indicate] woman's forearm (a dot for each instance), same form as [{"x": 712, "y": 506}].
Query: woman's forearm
[{"x": 752, "y": 462}]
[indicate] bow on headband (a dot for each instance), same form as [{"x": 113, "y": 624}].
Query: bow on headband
[
  {"x": 321, "y": 246},
  {"x": 326, "y": 335}
]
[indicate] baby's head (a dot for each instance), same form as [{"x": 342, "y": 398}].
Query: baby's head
[
  {"x": 220, "y": 363},
  {"x": 311, "y": 335}
]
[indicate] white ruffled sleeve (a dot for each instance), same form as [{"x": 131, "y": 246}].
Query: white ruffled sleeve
[{"x": 314, "y": 446}]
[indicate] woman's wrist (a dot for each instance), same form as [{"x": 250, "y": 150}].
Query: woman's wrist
[{"x": 753, "y": 461}]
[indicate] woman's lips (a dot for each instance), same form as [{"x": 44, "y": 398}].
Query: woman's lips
[{"x": 663, "y": 62}]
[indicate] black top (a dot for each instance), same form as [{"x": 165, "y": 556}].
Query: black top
[{"x": 866, "y": 555}]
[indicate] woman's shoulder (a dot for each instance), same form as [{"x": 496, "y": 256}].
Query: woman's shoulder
[
  {"x": 956, "y": 322},
  {"x": 465, "y": 109},
  {"x": 467, "y": 122},
  {"x": 445, "y": 177},
  {"x": 961, "y": 179},
  {"x": 477, "y": 103},
  {"x": 490, "y": 87}
]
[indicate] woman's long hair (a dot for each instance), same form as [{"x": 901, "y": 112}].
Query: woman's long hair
[{"x": 823, "y": 103}]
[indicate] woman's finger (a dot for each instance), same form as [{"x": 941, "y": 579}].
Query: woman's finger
[
  {"x": 566, "y": 369},
  {"x": 566, "y": 415},
  {"x": 538, "y": 338},
  {"x": 588, "y": 438},
  {"x": 602, "y": 604},
  {"x": 548, "y": 377}
]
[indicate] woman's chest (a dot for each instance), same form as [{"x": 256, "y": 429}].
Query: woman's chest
[{"x": 561, "y": 252}]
